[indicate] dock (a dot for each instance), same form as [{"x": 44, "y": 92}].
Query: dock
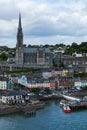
[
  {"x": 29, "y": 108},
  {"x": 74, "y": 105},
  {"x": 5, "y": 109},
  {"x": 78, "y": 106}
]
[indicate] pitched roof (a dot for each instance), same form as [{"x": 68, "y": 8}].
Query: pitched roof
[{"x": 34, "y": 50}]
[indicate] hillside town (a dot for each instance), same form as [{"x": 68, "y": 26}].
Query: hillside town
[{"x": 29, "y": 74}]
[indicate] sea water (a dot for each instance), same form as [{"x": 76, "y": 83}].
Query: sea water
[{"x": 50, "y": 118}]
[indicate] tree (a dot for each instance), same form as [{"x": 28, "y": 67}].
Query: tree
[
  {"x": 61, "y": 64},
  {"x": 47, "y": 90},
  {"x": 74, "y": 45},
  {"x": 3, "y": 57},
  {"x": 46, "y": 45},
  {"x": 85, "y": 87},
  {"x": 35, "y": 90}
]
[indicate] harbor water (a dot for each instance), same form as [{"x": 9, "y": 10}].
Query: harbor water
[{"x": 51, "y": 117}]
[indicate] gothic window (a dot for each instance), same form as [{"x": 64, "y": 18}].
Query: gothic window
[{"x": 40, "y": 53}]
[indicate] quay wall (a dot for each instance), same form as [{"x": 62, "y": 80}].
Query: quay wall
[
  {"x": 15, "y": 109},
  {"x": 78, "y": 106}
]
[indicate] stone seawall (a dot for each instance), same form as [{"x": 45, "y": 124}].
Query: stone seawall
[{"x": 5, "y": 109}]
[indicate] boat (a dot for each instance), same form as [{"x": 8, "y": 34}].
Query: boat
[
  {"x": 66, "y": 109},
  {"x": 62, "y": 103},
  {"x": 71, "y": 98}
]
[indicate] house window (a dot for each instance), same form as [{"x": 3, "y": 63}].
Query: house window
[{"x": 73, "y": 62}]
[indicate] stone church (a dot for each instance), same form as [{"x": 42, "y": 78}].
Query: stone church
[{"x": 31, "y": 56}]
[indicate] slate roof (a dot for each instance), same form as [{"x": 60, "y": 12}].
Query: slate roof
[
  {"x": 30, "y": 50},
  {"x": 10, "y": 93},
  {"x": 34, "y": 50}
]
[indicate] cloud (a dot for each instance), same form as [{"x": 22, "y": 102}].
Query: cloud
[{"x": 44, "y": 21}]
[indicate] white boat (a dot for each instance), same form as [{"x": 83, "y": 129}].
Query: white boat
[
  {"x": 66, "y": 109},
  {"x": 71, "y": 98},
  {"x": 63, "y": 102}
]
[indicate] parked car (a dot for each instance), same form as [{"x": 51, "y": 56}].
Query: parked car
[{"x": 78, "y": 88}]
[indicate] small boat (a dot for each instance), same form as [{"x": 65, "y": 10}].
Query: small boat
[
  {"x": 62, "y": 103},
  {"x": 66, "y": 109}
]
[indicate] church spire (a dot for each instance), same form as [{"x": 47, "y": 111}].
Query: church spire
[
  {"x": 20, "y": 20},
  {"x": 19, "y": 45},
  {"x": 19, "y": 32}
]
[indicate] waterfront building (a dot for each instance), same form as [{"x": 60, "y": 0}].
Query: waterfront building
[
  {"x": 80, "y": 82},
  {"x": 6, "y": 84},
  {"x": 31, "y": 56},
  {"x": 11, "y": 97},
  {"x": 10, "y": 85},
  {"x": 65, "y": 83},
  {"x": 36, "y": 82},
  {"x": 3, "y": 84}
]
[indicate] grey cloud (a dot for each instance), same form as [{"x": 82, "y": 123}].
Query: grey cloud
[{"x": 44, "y": 19}]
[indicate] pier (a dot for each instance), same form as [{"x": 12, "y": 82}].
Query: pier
[
  {"x": 78, "y": 106},
  {"x": 75, "y": 103},
  {"x": 5, "y": 109},
  {"x": 28, "y": 108}
]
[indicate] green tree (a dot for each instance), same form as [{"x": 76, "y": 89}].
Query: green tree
[
  {"x": 3, "y": 57},
  {"x": 61, "y": 64},
  {"x": 35, "y": 90},
  {"x": 85, "y": 87},
  {"x": 47, "y": 90}
]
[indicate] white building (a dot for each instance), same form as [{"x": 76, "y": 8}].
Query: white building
[
  {"x": 41, "y": 84},
  {"x": 3, "y": 85},
  {"x": 38, "y": 85},
  {"x": 77, "y": 54},
  {"x": 11, "y": 97},
  {"x": 80, "y": 83}
]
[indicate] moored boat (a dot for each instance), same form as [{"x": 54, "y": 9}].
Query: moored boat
[
  {"x": 66, "y": 109},
  {"x": 63, "y": 102}
]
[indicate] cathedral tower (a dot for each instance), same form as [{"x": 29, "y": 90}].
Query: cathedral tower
[{"x": 19, "y": 45}]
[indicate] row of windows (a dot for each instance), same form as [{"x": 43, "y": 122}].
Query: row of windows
[{"x": 76, "y": 62}]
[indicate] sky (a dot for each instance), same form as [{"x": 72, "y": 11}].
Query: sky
[{"x": 43, "y": 21}]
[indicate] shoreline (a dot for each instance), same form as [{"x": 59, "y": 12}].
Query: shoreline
[{"x": 6, "y": 109}]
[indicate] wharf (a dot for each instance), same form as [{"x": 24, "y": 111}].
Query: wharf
[
  {"x": 75, "y": 100},
  {"x": 30, "y": 107},
  {"x": 44, "y": 98},
  {"x": 78, "y": 106},
  {"x": 6, "y": 109},
  {"x": 75, "y": 105}
]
